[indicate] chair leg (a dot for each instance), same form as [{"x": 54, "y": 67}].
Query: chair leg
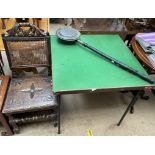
[
  {"x": 13, "y": 124},
  {"x": 5, "y": 124},
  {"x": 55, "y": 122},
  {"x": 14, "y": 73}
]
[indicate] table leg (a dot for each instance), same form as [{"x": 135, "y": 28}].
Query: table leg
[
  {"x": 59, "y": 103},
  {"x": 130, "y": 106},
  {"x": 5, "y": 125},
  {"x": 143, "y": 96}
]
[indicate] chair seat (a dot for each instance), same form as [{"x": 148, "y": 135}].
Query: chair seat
[{"x": 29, "y": 94}]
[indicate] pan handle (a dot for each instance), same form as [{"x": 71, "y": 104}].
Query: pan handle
[{"x": 117, "y": 62}]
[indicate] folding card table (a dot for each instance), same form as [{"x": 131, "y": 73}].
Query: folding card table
[{"x": 75, "y": 69}]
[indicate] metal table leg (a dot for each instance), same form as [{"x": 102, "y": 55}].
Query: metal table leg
[
  {"x": 59, "y": 103},
  {"x": 143, "y": 96},
  {"x": 130, "y": 106}
]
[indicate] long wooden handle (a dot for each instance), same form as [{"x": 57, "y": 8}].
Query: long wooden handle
[{"x": 117, "y": 62}]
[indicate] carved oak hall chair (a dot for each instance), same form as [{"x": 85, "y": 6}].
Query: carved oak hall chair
[{"x": 30, "y": 98}]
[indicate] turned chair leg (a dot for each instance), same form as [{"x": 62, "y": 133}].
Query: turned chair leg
[
  {"x": 5, "y": 124},
  {"x": 55, "y": 122},
  {"x": 13, "y": 124}
]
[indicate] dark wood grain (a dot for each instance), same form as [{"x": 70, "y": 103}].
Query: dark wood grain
[{"x": 140, "y": 53}]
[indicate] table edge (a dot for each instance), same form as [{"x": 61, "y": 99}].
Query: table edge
[{"x": 146, "y": 87}]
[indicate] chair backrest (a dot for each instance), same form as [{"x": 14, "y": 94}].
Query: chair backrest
[{"x": 27, "y": 46}]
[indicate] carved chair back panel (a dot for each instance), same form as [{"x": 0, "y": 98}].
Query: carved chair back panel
[
  {"x": 28, "y": 53},
  {"x": 27, "y": 46}
]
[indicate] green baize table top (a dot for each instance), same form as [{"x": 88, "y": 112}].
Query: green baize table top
[{"x": 75, "y": 68}]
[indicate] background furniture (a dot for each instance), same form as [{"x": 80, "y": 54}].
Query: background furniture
[
  {"x": 4, "y": 83},
  {"x": 3, "y": 23},
  {"x": 100, "y": 26},
  {"x": 30, "y": 98},
  {"x": 77, "y": 70},
  {"x": 138, "y": 25},
  {"x": 42, "y": 23},
  {"x": 36, "y": 21},
  {"x": 143, "y": 57},
  {"x": 135, "y": 25}
]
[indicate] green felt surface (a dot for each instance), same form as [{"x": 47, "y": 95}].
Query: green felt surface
[{"x": 76, "y": 68}]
